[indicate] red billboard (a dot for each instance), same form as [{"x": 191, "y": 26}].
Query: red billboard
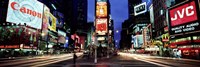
[
  {"x": 184, "y": 18},
  {"x": 101, "y": 25},
  {"x": 183, "y": 14}
]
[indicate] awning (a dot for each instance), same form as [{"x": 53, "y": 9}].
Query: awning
[{"x": 157, "y": 42}]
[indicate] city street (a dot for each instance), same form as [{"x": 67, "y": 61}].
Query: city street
[
  {"x": 99, "y": 33},
  {"x": 122, "y": 60}
]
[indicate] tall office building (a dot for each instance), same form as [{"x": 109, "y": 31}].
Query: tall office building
[{"x": 79, "y": 14}]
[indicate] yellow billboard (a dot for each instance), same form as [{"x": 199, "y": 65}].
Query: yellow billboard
[
  {"x": 52, "y": 22},
  {"x": 101, "y": 9}
]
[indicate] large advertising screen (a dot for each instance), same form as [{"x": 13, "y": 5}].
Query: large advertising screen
[
  {"x": 61, "y": 36},
  {"x": 25, "y": 11},
  {"x": 52, "y": 22},
  {"x": 45, "y": 22},
  {"x": 183, "y": 18},
  {"x": 137, "y": 41},
  {"x": 101, "y": 26},
  {"x": 101, "y": 9},
  {"x": 60, "y": 19},
  {"x": 66, "y": 42},
  {"x": 151, "y": 14},
  {"x": 183, "y": 14}
]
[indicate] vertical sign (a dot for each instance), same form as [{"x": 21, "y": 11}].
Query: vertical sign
[
  {"x": 101, "y": 9},
  {"x": 101, "y": 26}
]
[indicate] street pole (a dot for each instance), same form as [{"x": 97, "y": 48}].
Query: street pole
[
  {"x": 108, "y": 46},
  {"x": 47, "y": 42},
  {"x": 95, "y": 59},
  {"x": 95, "y": 52}
]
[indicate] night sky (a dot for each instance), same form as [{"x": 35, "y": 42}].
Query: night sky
[{"x": 119, "y": 13}]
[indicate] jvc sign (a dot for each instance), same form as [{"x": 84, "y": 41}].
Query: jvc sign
[
  {"x": 183, "y": 14},
  {"x": 184, "y": 18}
]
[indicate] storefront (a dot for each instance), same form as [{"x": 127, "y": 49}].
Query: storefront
[{"x": 189, "y": 47}]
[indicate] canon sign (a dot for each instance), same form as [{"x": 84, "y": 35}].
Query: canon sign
[
  {"x": 25, "y": 11},
  {"x": 16, "y": 6},
  {"x": 183, "y": 14}
]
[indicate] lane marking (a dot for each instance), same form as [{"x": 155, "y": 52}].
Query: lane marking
[
  {"x": 43, "y": 58},
  {"x": 136, "y": 58},
  {"x": 58, "y": 60}
]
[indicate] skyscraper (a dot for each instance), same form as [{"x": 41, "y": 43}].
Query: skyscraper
[{"x": 79, "y": 14}]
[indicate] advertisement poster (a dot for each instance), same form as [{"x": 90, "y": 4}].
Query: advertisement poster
[
  {"x": 25, "y": 11},
  {"x": 66, "y": 42},
  {"x": 101, "y": 9},
  {"x": 60, "y": 19},
  {"x": 183, "y": 18},
  {"x": 61, "y": 36},
  {"x": 101, "y": 26},
  {"x": 183, "y": 14},
  {"x": 137, "y": 41},
  {"x": 45, "y": 22},
  {"x": 52, "y": 22},
  {"x": 151, "y": 14}
]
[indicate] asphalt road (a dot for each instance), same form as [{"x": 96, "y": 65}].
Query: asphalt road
[{"x": 122, "y": 60}]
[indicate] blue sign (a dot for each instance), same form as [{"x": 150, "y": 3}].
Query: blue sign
[{"x": 67, "y": 42}]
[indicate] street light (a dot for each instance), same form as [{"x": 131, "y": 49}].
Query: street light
[
  {"x": 53, "y": 6},
  {"x": 117, "y": 31},
  {"x": 43, "y": 34}
]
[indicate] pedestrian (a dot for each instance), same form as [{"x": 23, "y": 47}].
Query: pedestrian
[
  {"x": 179, "y": 54},
  {"x": 74, "y": 58}
]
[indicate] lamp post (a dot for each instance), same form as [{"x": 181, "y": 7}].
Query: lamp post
[{"x": 47, "y": 43}]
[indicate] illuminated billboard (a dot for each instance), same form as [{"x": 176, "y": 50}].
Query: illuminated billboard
[
  {"x": 66, "y": 42},
  {"x": 52, "y": 22},
  {"x": 60, "y": 19},
  {"x": 183, "y": 18},
  {"x": 25, "y": 11},
  {"x": 61, "y": 37},
  {"x": 101, "y": 9},
  {"x": 183, "y": 14},
  {"x": 151, "y": 14},
  {"x": 101, "y": 26},
  {"x": 45, "y": 22},
  {"x": 139, "y": 9},
  {"x": 137, "y": 41}
]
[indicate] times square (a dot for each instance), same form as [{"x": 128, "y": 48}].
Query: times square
[{"x": 99, "y": 33}]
